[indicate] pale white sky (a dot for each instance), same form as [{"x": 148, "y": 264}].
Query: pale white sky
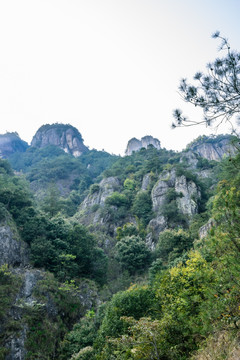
[{"x": 111, "y": 68}]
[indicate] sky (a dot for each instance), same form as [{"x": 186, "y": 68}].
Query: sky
[{"x": 111, "y": 68}]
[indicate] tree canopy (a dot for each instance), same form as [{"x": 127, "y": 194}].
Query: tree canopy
[{"x": 216, "y": 92}]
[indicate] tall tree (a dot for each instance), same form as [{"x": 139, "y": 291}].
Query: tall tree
[{"x": 216, "y": 92}]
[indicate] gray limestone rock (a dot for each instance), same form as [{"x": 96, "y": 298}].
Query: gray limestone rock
[
  {"x": 203, "y": 231},
  {"x": 13, "y": 251},
  {"x": 155, "y": 227},
  {"x": 190, "y": 159},
  {"x": 106, "y": 187},
  {"x": 136, "y": 145},
  {"x": 160, "y": 189},
  {"x": 213, "y": 147},
  {"x": 146, "y": 181},
  {"x": 187, "y": 203},
  {"x": 188, "y": 195},
  {"x": 66, "y": 137}
]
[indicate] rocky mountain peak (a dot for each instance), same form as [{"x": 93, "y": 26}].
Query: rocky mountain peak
[
  {"x": 213, "y": 147},
  {"x": 136, "y": 145},
  {"x": 64, "y": 136},
  {"x": 11, "y": 143}
]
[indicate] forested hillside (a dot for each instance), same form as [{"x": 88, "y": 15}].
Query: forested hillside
[
  {"x": 101, "y": 256},
  {"x": 104, "y": 257}
]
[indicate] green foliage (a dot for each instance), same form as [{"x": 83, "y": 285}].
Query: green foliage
[
  {"x": 173, "y": 215},
  {"x": 5, "y": 167},
  {"x": 216, "y": 92},
  {"x": 60, "y": 128},
  {"x": 191, "y": 299},
  {"x": 81, "y": 336},
  {"x": 117, "y": 199},
  {"x": 172, "y": 243},
  {"x": 3, "y": 212},
  {"x": 142, "y": 206},
  {"x": 15, "y": 196},
  {"x": 51, "y": 204},
  {"x": 212, "y": 139},
  {"x": 71, "y": 176},
  {"x": 9, "y": 286},
  {"x": 133, "y": 254},
  {"x": 69, "y": 251},
  {"x": 141, "y": 163},
  {"x": 128, "y": 229},
  {"x": 137, "y": 301},
  {"x": 45, "y": 329},
  {"x": 172, "y": 195},
  {"x": 129, "y": 184},
  {"x": 94, "y": 188},
  {"x": 140, "y": 343},
  {"x": 86, "y": 353}
]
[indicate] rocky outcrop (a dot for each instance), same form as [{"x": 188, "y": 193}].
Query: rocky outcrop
[
  {"x": 204, "y": 230},
  {"x": 187, "y": 202},
  {"x": 190, "y": 159},
  {"x": 13, "y": 251},
  {"x": 185, "y": 192},
  {"x": 213, "y": 147},
  {"x": 90, "y": 210},
  {"x": 66, "y": 137},
  {"x": 136, "y": 145},
  {"x": 155, "y": 227},
  {"x": 29, "y": 296},
  {"x": 11, "y": 143},
  {"x": 38, "y": 300},
  {"x": 146, "y": 181},
  {"x": 99, "y": 193},
  {"x": 159, "y": 192}
]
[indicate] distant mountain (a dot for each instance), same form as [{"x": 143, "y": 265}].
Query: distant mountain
[
  {"x": 64, "y": 136},
  {"x": 136, "y": 145},
  {"x": 11, "y": 143}
]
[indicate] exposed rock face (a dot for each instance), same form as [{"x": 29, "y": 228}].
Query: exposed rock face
[
  {"x": 213, "y": 148},
  {"x": 136, "y": 145},
  {"x": 11, "y": 143},
  {"x": 66, "y": 137},
  {"x": 187, "y": 194},
  {"x": 146, "y": 181},
  {"x": 204, "y": 230},
  {"x": 26, "y": 299},
  {"x": 155, "y": 227},
  {"x": 90, "y": 209},
  {"x": 187, "y": 203},
  {"x": 13, "y": 251},
  {"x": 103, "y": 190},
  {"x": 166, "y": 181},
  {"x": 190, "y": 158}
]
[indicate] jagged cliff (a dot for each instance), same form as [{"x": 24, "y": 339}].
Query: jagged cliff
[
  {"x": 64, "y": 136},
  {"x": 32, "y": 302},
  {"x": 11, "y": 143},
  {"x": 213, "y": 147},
  {"x": 136, "y": 145}
]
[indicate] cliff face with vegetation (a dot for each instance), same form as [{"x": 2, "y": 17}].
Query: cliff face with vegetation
[
  {"x": 36, "y": 309},
  {"x": 11, "y": 143},
  {"x": 97, "y": 223},
  {"x": 135, "y": 144},
  {"x": 66, "y": 137},
  {"x": 214, "y": 148}
]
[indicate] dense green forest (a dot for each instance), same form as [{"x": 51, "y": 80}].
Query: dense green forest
[
  {"x": 161, "y": 302},
  {"x": 137, "y": 257}
]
